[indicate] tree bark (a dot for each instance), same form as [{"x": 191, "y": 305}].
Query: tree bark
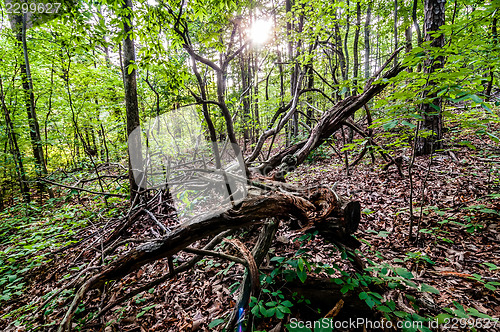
[
  {"x": 431, "y": 111},
  {"x": 355, "y": 52},
  {"x": 346, "y": 37},
  {"x": 415, "y": 22},
  {"x": 396, "y": 30},
  {"x": 335, "y": 219},
  {"x": 27, "y": 83},
  {"x": 14, "y": 148},
  {"x": 340, "y": 53},
  {"x": 130, "y": 85},
  {"x": 494, "y": 37},
  {"x": 330, "y": 121},
  {"x": 367, "y": 40}
]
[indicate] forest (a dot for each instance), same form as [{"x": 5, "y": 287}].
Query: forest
[{"x": 249, "y": 165}]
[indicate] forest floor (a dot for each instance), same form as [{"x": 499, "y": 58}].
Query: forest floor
[{"x": 456, "y": 216}]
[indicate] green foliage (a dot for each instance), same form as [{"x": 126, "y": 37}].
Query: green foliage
[{"x": 278, "y": 306}]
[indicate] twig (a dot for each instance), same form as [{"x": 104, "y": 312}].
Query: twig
[
  {"x": 163, "y": 228},
  {"x": 184, "y": 267},
  {"x": 82, "y": 189},
  {"x": 216, "y": 254},
  {"x": 259, "y": 252}
]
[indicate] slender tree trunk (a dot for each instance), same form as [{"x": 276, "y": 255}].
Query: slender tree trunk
[
  {"x": 346, "y": 38},
  {"x": 256, "y": 120},
  {"x": 245, "y": 87},
  {"x": 103, "y": 136},
  {"x": 14, "y": 148},
  {"x": 396, "y": 42},
  {"x": 355, "y": 52},
  {"x": 431, "y": 112},
  {"x": 49, "y": 109},
  {"x": 408, "y": 33},
  {"x": 494, "y": 36},
  {"x": 310, "y": 85},
  {"x": 340, "y": 53},
  {"x": 27, "y": 84},
  {"x": 206, "y": 115},
  {"x": 295, "y": 74},
  {"x": 415, "y": 22},
  {"x": 367, "y": 40},
  {"x": 377, "y": 65},
  {"x": 130, "y": 84}
]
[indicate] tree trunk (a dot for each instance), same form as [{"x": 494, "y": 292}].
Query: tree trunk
[
  {"x": 130, "y": 85},
  {"x": 431, "y": 111},
  {"x": 396, "y": 30},
  {"x": 27, "y": 83},
  {"x": 346, "y": 38},
  {"x": 256, "y": 118},
  {"x": 340, "y": 53},
  {"x": 310, "y": 85},
  {"x": 367, "y": 39},
  {"x": 246, "y": 93},
  {"x": 415, "y": 22},
  {"x": 14, "y": 148},
  {"x": 494, "y": 36},
  {"x": 355, "y": 49}
]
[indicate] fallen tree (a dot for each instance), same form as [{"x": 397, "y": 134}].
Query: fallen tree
[
  {"x": 332, "y": 120},
  {"x": 320, "y": 208}
]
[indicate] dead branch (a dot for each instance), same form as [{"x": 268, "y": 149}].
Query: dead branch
[
  {"x": 330, "y": 122},
  {"x": 334, "y": 219},
  {"x": 217, "y": 254},
  {"x": 259, "y": 252},
  {"x": 82, "y": 189},
  {"x": 184, "y": 267}
]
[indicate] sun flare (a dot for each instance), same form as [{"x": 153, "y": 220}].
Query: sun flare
[{"x": 260, "y": 31}]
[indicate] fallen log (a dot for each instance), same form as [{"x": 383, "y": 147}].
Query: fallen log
[{"x": 335, "y": 218}]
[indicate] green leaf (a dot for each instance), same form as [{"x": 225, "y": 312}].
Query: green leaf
[
  {"x": 146, "y": 309},
  {"x": 215, "y": 323},
  {"x": 263, "y": 310},
  {"x": 391, "y": 124},
  {"x": 474, "y": 312},
  {"x": 429, "y": 289},
  {"x": 302, "y": 275},
  {"x": 284, "y": 309},
  {"x": 408, "y": 124},
  {"x": 493, "y": 137},
  {"x": 491, "y": 266},
  {"x": 442, "y": 318},
  {"x": 255, "y": 310},
  {"x": 383, "y": 308},
  {"x": 401, "y": 271},
  {"x": 490, "y": 286},
  {"x": 400, "y": 314},
  {"x": 279, "y": 314},
  {"x": 475, "y": 98}
]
